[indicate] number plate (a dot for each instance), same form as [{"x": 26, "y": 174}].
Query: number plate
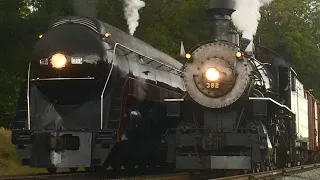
[{"x": 212, "y": 85}]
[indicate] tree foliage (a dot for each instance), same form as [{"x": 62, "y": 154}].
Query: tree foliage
[
  {"x": 291, "y": 28},
  {"x": 9, "y": 90}
]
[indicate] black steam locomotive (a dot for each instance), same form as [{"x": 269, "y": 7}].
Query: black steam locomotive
[
  {"x": 239, "y": 116},
  {"x": 96, "y": 96}
]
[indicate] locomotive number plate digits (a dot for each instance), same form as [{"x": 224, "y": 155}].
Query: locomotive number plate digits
[{"x": 212, "y": 85}]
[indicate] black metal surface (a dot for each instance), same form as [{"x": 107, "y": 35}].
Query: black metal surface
[
  {"x": 234, "y": 37},
  {"x": 221, "y": 27},
  {"x": 228, "y": 5},
  {"x": 222, "y": 8},
  {"x": 61, "y": 112},
  {"x": 40, "y": 151},
  {"x": 220, "y": 12},
  {"x": 244, "y": 43},
  {"x": 279, "y": 69},
  {"x": 88, "y": 22},
  {"x": 70, "y": 39},
  {"x": 118, "y": 36}
]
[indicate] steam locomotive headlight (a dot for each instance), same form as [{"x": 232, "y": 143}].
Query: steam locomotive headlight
[
  {"x": 212, "y": 74},
  {"x": 58, "y": 61}
]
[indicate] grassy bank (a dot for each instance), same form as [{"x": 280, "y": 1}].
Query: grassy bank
[{"x": 9, "y": 164}]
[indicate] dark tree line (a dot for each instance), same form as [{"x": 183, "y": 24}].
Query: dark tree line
[{"x": 292, "y": 28}]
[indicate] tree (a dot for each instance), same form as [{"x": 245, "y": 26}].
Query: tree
[{"x": 163, "y": 24}]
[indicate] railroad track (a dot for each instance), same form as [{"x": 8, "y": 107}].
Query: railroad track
[
  {"x": 123, "y": 174},
  {"x": 159, "y": 176},
  {"x": 274, "y": 173},
  {"x": 43, "y": 176},
  {"x": 253, "y": 176}
]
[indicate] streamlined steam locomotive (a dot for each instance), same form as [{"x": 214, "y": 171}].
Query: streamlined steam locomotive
[
  {"x": 94, "y": 97},
  {"x": 97, "y": 97}
]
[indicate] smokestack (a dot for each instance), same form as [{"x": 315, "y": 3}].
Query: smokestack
[{"x": 221, "y": 11}]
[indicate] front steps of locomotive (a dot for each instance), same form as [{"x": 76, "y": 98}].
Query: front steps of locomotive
[
  {"x": 63, "y": 149},
  {"x": 93, "y": 151}
]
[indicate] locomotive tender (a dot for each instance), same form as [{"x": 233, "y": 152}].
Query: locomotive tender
[{"x": 96, "y": 96}]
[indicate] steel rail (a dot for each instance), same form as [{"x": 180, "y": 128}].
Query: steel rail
[
  {"x": 43, "y": 176},
  {"x": 251, "y": 176},
  {"x": 172, "y": 176},
  {"x": 272, "y": 173}
]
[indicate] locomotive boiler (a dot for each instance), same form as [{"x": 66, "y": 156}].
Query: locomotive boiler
[
  {"x": 237, "y": 113},
  {"x": 94, "y": 97}
]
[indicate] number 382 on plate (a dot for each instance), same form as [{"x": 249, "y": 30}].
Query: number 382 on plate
[{"x": 212, "y": 85}]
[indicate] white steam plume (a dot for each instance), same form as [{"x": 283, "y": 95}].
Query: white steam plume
[
  {"x": 131, "y": 12},
  {"x": 247, "y": 16}
]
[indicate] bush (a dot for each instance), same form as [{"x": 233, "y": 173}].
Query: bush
[
  {"x": 9, "y": 164},
  {"x": 9, "y": 90}
]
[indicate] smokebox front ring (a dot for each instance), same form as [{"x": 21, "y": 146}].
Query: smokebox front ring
[{"x": 226, "y": 52}]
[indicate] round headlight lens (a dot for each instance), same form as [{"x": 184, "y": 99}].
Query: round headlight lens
[
  {"x": 58, "y": 61},
  {"x": 212, "y": 74}
]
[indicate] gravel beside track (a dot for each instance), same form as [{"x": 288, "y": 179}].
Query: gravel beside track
[
  {"x": 288, "y": 173},
  {"x": 308, "y": 175}
]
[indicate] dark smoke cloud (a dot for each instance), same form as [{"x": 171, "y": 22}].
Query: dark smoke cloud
[{"x": 84, "y": 8}]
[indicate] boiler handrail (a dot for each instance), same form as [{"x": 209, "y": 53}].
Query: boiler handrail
[
  {"x": 28, "y": 98},
  {"x": 105, "y": 86}
]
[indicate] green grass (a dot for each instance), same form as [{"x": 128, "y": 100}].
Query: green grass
[{"x": 9, "y": 164}]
